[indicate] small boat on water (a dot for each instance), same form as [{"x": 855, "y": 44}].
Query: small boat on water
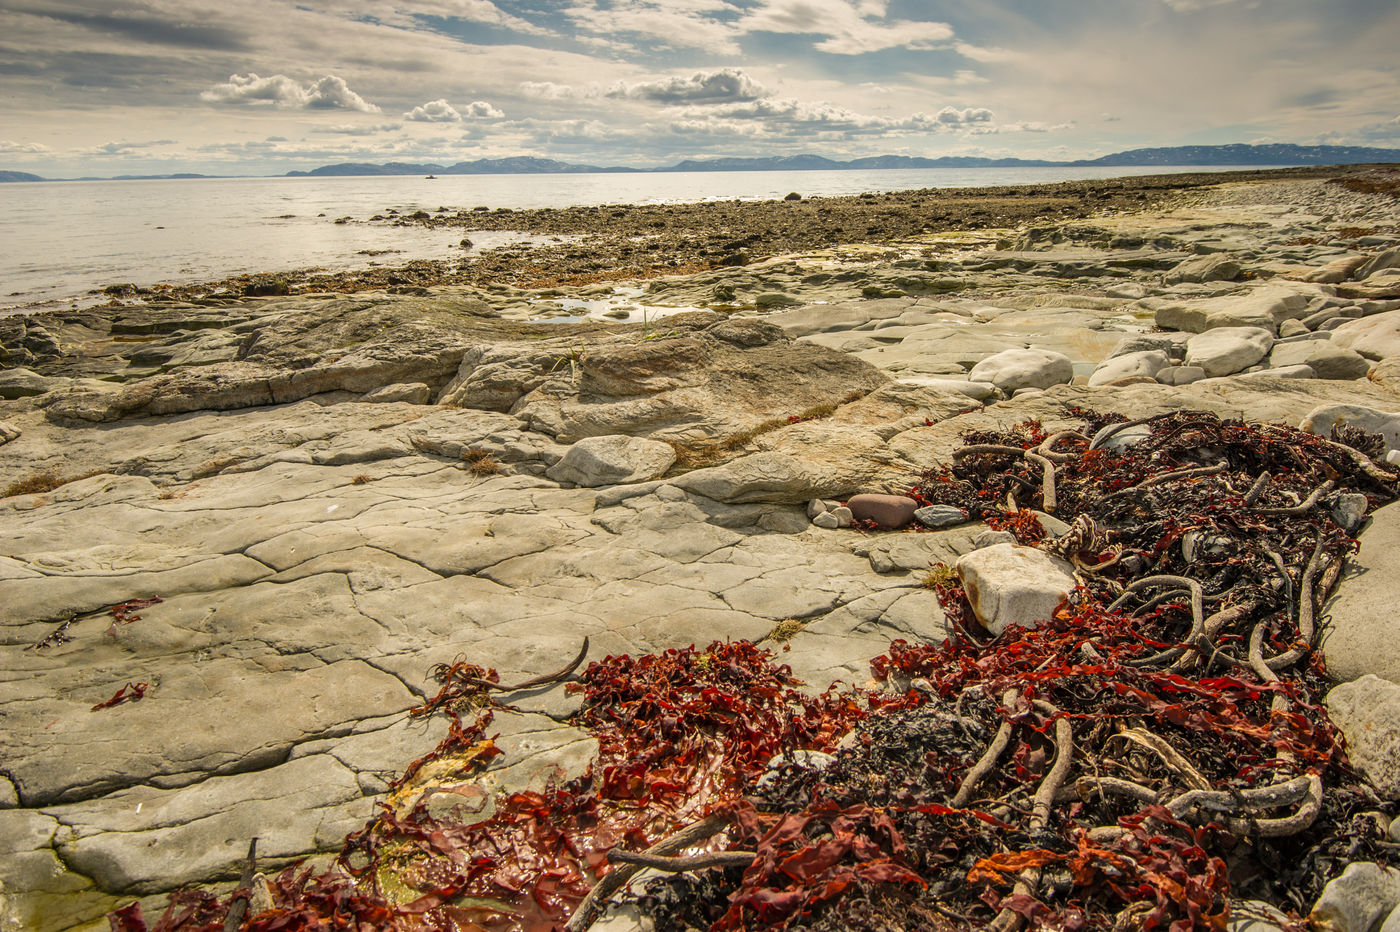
[{"x": 431, "y": 178}]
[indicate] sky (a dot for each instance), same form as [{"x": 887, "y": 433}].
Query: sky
[{"x": 233, "y": 87}]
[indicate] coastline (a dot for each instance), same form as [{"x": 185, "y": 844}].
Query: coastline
[
  {"x": 620, "y": 242},
  {"x": 334, "y": 489}
]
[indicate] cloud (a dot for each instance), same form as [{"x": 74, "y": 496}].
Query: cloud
[
  {"x": 481, "y": 110},
  {"x": 850, "y": 28},
  {"x": 724, "y": 86},
  {"x": 548, "y": 90},
  {"x": 329, "y": 93},
  {"x": 122, "y": 148},
  {"x": 668, "y": 23},
  {"x": 9, "y": 147},
  {"x": 434, "y": 111},
  {"x": 985, "y": 54},
  {"x": 787, "y": 115},
  {"x": 349, "y": 129}
]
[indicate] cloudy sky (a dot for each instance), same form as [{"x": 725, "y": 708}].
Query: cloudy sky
[{"x": 107, "y": 87}]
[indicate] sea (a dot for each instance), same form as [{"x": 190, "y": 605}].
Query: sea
[{"x": 62, "y": 242}]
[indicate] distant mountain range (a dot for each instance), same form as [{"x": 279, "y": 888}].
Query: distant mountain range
[
  {"x": 1239, "y": 154},
  {"x": 1280, "y": 154}
]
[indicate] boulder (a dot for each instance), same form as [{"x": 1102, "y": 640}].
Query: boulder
[
  {"x": 1144, "y": 364},
  {"x": 1389, "y": 259},
  {"x": 1009, "y": 584},
  {"x": 1170, "y": 342},
  {"x": 1227, "y": 350},
  {"x": 1181, "y": 375},
  {"x": 1324, "y": 419},
  {"x": 1367, "y": 711},
  {"x": 1360, "y": 638},
  {"x": 940, "y": 516},
  {"x": 1264, "y": 307},
  {"x": 1208, "y": 268},
  {"x": 1283, "y": 372},
  {"x": 1338, "y": 270},
  {"x": 1324, "y": 358},
  {"x": 1358, "y": 900},
  {"x": 613, "y": 460},
  {"x": 1014, "y": 369},
  {"x": 8, "y": 432},
  {"x": 1374, "y": 337},
  {"x": 888, "y": 511}
]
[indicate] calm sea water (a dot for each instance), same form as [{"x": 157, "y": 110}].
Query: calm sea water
[{"x": 61, "y": 240}]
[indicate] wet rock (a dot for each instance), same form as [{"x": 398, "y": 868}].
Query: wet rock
[
  {"x": 1009, "y": 584},
  {"x": 888, "y": 511},
  {"x": 1367, "y": 710},
  {"x": 1014, "y": 369},
  {"x": 1358, "y": 900},
  {"x": 940, "y": 516},
  {"x": 612, "y": 460},
  {"x": 1227, "y": 350}
]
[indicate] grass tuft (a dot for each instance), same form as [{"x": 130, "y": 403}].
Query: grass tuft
[{"x": 41, "y": 482}]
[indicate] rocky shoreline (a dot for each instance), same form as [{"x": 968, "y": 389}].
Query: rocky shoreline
[{"x": 327, "y": 493}]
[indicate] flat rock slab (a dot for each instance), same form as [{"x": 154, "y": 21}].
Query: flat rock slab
[{"x": 144, "y": 840}]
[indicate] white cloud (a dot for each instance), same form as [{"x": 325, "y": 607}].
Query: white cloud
[
  {"x": 548, "y": 90},
  {"x": 348, "y": 129},
  {"x": 408, "y": 15},
  {"x": 329, "y": 93},
  {"x": 785, "y": 114},
  {"x": 985, "y": 54},
  {"x": 434, "y": 111},
  {"x": 9, "y": 147},
  {"x": 669, "y": 23},
  {"x": 481, "y": 110},
  {"x": 850, "y": 28},
  {"x": 726, "y": 85}
]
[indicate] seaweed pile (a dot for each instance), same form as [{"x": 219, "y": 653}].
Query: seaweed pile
[{"x": 1146, "y": 758}]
